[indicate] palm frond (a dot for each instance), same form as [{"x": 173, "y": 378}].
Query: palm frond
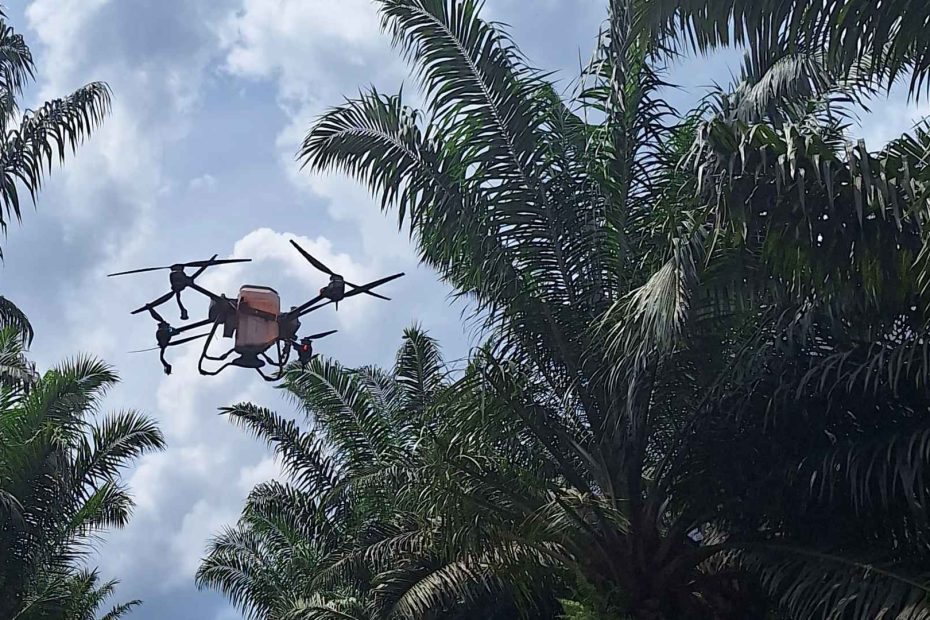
[
  {"x": 11, "y": 316},
  {"x": 44, "y": 136},
  {"x": 890, "y": 34},
  {"x": 302, "y": 454},
  {"x": 337, "y": 400}
]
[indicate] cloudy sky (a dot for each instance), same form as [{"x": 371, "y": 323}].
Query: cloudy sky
[{"x": 211, "y": 98}]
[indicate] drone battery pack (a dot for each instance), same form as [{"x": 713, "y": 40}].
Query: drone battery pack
[{"x": 255, "y": 333}]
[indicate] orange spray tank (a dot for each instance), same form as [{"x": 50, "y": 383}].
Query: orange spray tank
[{"x": 256, "y": 333}]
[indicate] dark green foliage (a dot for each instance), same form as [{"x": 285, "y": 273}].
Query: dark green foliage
[
  {"x": 60, "y": 487},
  {"x": 354, "y": 530}
]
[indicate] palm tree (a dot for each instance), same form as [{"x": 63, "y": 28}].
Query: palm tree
[
  {"x": 82, "y": 597},
  {"x": 34, "y": 139},
  {"x": 710, "y": 326},
  {"x": 60, "y": 462},
  {"x": 337, "y": 539}
]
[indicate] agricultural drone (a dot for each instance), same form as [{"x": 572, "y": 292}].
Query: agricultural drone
[{"x": 254, "y": 318}]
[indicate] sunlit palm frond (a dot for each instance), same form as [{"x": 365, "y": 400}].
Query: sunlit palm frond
[
  {"x": 237, "y": 566},
  {"x": 116, "y": 440},
  {"x": 345, "y": 413},
  {"x": 302, "y": 454},
  {"x": 418, "y": 370}
]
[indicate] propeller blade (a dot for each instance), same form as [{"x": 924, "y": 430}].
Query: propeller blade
[
  {"x": 203, "y": 264},
  {"x": 144, "y": 350},
  {"x": 197, "y": 273},
  {"x": 213, "y": 262},
  {"x": 126, "y": 273},
  {"x": 322, "y": 334},
  {"x": 152, "y": 304},
  {"x": 313, "y": 261},
  {"x": 173, "y": 344},
  {"x": 371, "y": 285},
  {"x": 369, "y": 292}
]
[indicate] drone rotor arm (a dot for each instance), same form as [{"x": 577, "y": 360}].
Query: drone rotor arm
[
  {"x": 172, "y": 344},
  {"x": 216, "y": 261},
  {"x": 203, "y": 291},
  {"x": 188, "y": 339},
  {"x": 303, "y": 308},
  {"x": 309, "y": 309},
  {"x": 132, "y": 271},
  {"x": 202, "y": 264},
  {"x": 157, "y": 316},
  {"x": 187, "y": 328}
]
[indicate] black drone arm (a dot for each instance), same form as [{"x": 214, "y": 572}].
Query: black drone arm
[
  {"x": 203, "y": 323},
  {"x": 305, "y": 308},
  {"x": 203, "y": 291},
  {"x": 322, "y": 267}
]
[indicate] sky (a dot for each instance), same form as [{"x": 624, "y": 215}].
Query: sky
[{"x": 210, "y": 100}]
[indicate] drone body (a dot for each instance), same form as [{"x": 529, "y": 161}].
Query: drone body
[{"x": 263, "y": 334}]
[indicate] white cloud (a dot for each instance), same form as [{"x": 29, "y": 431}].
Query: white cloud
[
  {"x": 889, "y": 118},
  {"x": 205, "y": 182},
  {"x": 264, "y": 471},
  {"x": 60, "y": 25},
  {"x": 308, "y": 45},
  {"x": 151, "y": 479},
  {"x": 318, "y": 52},
  {"x": 204, "y": 520},
  {"x": 109, "y": 190}
]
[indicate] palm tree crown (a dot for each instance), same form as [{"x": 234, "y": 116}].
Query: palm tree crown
[{"x": 60, "y": 487}]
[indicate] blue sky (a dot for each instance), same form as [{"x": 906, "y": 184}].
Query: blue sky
[{"x": 211, "y": 98}]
